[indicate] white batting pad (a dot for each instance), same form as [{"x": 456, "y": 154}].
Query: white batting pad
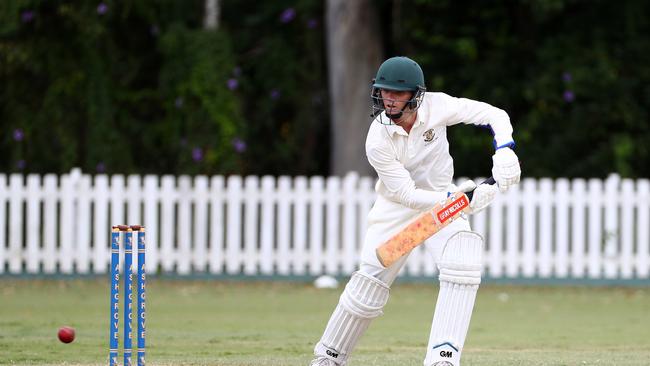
[
  {"x": 460, "y": 275},
  {"x": 362, "y": 300}
]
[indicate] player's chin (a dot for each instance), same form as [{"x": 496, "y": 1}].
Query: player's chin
[{"x": 399, "y": 120}]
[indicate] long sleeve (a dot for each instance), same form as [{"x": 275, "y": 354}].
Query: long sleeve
[
  {"x": 398, "y": 185},
  {"x": 468, "y": 111}
]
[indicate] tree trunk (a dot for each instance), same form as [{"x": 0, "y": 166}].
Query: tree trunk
[
  {"x": 354, "y": 53},
  {"x": 211, "y": 18}
]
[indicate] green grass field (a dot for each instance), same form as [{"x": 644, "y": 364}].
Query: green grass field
[{"x": 236, "y": 324}]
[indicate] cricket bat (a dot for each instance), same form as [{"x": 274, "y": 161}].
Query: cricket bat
[{"x": 425, "y": 226}]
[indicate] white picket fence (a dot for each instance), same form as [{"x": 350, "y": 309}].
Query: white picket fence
[{"x": 574, "y": 229}]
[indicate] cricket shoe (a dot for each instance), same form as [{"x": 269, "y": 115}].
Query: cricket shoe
[{"x": 323, "y": 361}]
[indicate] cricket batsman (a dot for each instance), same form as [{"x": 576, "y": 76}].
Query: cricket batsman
[{"x": 408, "y": 148}]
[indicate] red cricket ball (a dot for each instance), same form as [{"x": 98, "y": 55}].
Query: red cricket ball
[{"x": 66, "y": 334}]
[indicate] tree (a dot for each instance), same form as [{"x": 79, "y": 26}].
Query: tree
[{"x": 354, "y": 53}]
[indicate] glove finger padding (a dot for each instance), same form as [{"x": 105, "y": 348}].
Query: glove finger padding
[{"x": 483, "y": 195}]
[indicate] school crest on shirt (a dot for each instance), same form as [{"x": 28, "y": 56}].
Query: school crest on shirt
[{"x": 429, "y": 135}]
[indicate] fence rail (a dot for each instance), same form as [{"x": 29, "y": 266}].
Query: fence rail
[{"x": 593, "y": 229}]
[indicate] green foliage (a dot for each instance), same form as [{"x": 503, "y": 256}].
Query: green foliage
[
  {"x": 202, "y": 115},
  {"x": 140, "y": 86},
  {"x": 283, "y": 84},
  {"x": 129, "y": 86},
  {"x": 573, "y": 75}
]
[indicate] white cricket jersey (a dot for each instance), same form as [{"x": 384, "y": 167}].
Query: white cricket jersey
[{"x": 416, "y": 169}]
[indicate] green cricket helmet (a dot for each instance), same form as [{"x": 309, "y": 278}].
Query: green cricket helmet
[{"x": 401, "y": 74}]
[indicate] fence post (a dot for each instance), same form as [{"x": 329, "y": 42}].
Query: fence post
[
  {"x": 267, "y": 232},
  {"x": 3, "y": 219},
  {"x": 495, "y": 238},
  {"x": 300, "y": 257},
  {"x": 233, "y": 224},
  {"x": 200, "y": 221},
  {"x": 332, "y": 257},
  {"x": 642, "y": 229},
  {"x": 561, "y": 256},
  {"x": 350, "y": 202},
  {"x": 50, "y": 198},
  {"x": 151, "y": 214},
  {"x": 167, "y": 228},
  {"x": 285, "y": 199},
  {"x": 611, "y": 256},
  {"x": 512, "y": 200},
  {"x": 101, "y": 224},
  {"x": 595, "y": 241},
  {"x": 529, "y": 254},
  {"x": 628, "y": 204},
  {"x": 251, "y": 199},
  {"x": 316, "y": 185},
  {"x": 82, "y": 225},
  {"x": 33, "y": 197},
  {"x": 184, "y": 225},
  {"x": 15, "y": 223},
  {"x": 546, "y": 202},
  {"x": 217, "y": 224}
]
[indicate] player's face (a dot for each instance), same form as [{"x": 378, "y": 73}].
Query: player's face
[{"x": 395, "y": 100}]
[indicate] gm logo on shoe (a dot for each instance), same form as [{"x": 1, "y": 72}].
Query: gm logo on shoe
[{"x": 446, "y": 354}]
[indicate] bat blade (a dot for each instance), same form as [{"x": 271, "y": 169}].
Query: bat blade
[{"x": 421, "y": 229}]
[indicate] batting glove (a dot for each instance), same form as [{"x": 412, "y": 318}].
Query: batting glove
[
  {"x": 481, "y": 198},
  {"x": 483, "y": 195},
  {"x": 505, "y": 169}
]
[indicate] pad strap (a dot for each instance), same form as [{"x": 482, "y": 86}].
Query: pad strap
[{"x": 364, "y": 296}]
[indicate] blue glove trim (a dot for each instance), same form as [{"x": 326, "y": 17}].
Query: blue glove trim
[{"x": 510, "y": 144}]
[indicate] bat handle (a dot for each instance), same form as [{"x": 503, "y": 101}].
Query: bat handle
[{"x": 487, "y": 181}]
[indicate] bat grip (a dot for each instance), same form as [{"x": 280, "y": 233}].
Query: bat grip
[{"x": 487, "y": 181}]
